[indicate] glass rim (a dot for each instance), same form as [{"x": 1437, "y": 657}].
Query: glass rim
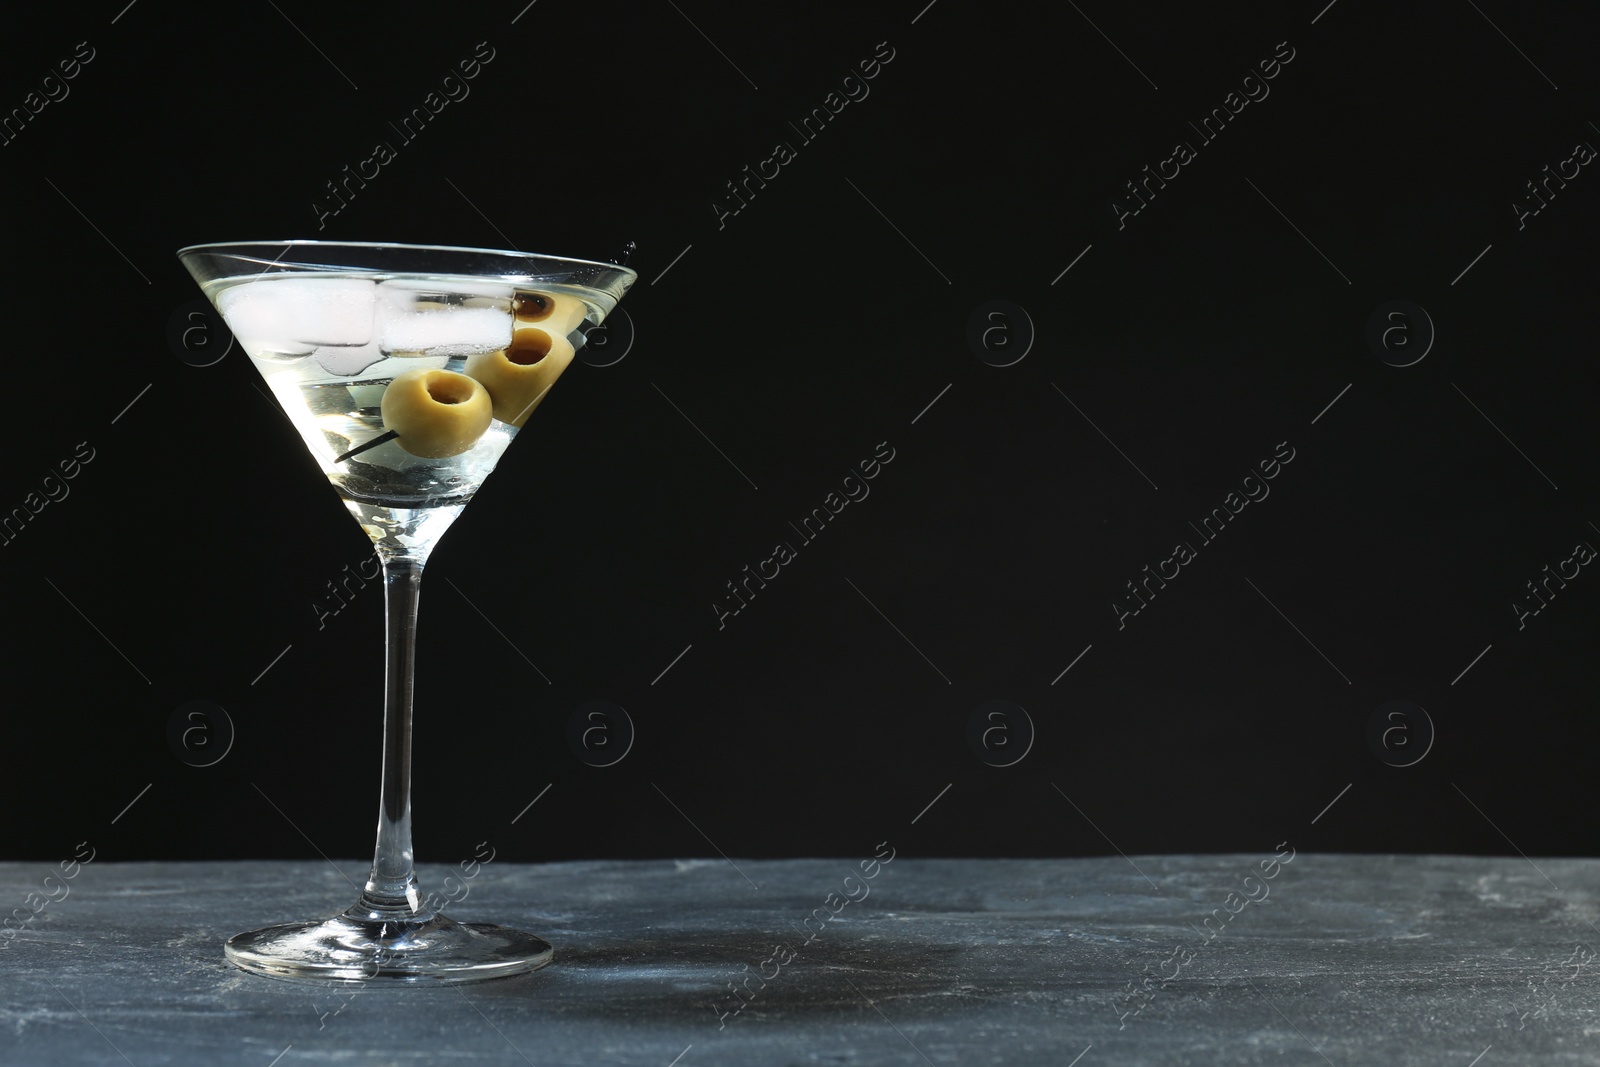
[{"x": 223, "y": 246}]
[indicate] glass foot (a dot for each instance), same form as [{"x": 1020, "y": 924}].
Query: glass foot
[{"x": 414, "y": 950}]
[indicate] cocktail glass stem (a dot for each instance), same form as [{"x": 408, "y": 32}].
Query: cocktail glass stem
[{"x": 391, "y": 890}]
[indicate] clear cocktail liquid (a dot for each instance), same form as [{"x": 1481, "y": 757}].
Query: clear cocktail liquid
[{"x": 329, "y": 345}]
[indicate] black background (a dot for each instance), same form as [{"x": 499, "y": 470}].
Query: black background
[{"x": 817, "y": 322}]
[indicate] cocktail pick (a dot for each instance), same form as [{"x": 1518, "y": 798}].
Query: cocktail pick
[{"x": 388, "y": 435}]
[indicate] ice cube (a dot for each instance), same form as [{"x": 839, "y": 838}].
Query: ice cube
[
  {"x": 282, "y": 314},
  {"x": 347, "y": 361},
  {"x": 454, "y": 332},
  {"x": 472, "y": 292},
  {"x": 417, "y": 321}
]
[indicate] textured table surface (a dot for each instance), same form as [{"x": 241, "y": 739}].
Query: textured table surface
[{"x": 1346, "y": 960}]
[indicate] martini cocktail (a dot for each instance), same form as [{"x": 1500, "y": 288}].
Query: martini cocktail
[{"x": 407, "y": 370}]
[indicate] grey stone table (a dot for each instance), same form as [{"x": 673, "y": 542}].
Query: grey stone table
[{"x": 1339, "y": 960}]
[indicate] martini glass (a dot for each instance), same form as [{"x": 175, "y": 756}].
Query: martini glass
[{"x": 407, "y": 370}]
